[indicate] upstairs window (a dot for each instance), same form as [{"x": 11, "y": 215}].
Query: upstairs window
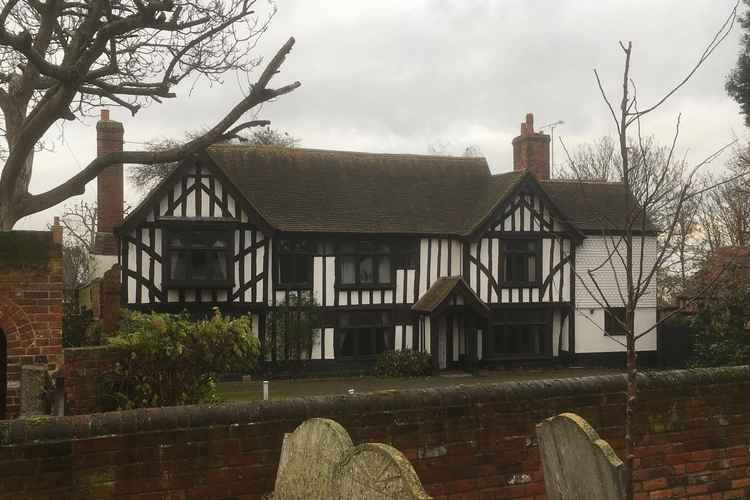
[
  {"x": 363, "y": 334},
  {"x": 521, "y": 262},
  {"x": 364, "y": 264},
  {"x": 294, "y": 266},
  {"x": 199, "y": 258},
  {"x": 611, "y": 324}
]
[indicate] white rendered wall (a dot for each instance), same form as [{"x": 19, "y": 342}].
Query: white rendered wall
[{"x": 590, "y": 331}]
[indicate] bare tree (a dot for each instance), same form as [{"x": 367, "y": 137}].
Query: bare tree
[
  {"x": 61, "y": 58},
  {"x": 446, "y": 148},
  {"x": 144, "y": 177},
  {"x": 650, "y": 188},
  {"x": 79, "y": 224},
  {"x": 600, "y": 161}
]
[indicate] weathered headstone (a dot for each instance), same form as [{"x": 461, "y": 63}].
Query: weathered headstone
[
  {"x": 376, "y": 471},
  {"x": 319, "y": 461},
  {"x": 578, "y": 464},
  {"x": 34, "y": 384},
  {"x": 308, "y": 458}
]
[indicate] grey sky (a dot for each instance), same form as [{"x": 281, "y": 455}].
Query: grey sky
[{"x": 399, "y": 76}]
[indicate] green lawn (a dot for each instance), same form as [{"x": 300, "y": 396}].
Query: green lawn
[{"x": 282, "y": 389}]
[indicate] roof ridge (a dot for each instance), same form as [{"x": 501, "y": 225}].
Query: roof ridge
[
  {"x": 581, "y": 181},
  {"x": 467, "y": 159}
]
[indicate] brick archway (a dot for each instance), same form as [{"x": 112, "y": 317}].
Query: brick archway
[{"x": 18, "y": 341}]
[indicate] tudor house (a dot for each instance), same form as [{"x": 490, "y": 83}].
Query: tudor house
[{"x": 399, "y": 251}]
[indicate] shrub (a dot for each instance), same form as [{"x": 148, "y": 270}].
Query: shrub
[
  {"x": 722, "y": 322},
  {"x": 405, "y": 363},
  {"x": 168, "y": 359}
]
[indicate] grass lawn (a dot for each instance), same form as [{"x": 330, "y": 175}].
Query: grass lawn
[{"x": 291, "y": 388}]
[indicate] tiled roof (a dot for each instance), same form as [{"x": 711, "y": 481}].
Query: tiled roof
[
  {"x": 308, "y": 190},
  {"x": 591, "y": 206}
]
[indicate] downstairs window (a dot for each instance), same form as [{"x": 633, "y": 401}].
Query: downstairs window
[
  {"x": 520, "y": 333},
  {"x": 363, "y": 334}
]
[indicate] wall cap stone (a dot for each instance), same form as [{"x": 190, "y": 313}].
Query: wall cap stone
[{"x": 21, "y": 431}]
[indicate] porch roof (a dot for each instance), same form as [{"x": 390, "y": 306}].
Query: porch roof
[{"x": 436, "y": 298}]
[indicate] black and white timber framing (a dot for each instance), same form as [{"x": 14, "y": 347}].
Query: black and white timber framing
[{"x": 200, "y": 196}]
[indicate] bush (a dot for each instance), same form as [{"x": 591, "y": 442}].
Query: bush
[
  {"x": 722, "y": 323},
  {"x": 404, "y": 364},
  {"x": 169, "y": 359}
]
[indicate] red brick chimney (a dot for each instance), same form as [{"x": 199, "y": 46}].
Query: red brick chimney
[
  {"x": 109, "y": 195},
  {"x": 531, "y": 150}
]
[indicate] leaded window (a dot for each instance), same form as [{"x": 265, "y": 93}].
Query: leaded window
[
  {"x": 364, "y": 263},
  {"x": 363, "y": 334},
  {"x": 294, "y": 266},
  {"x": 521, "y": 261},
  {"x": 199, "y": 257},
  {"x": 519, "y": 333}
]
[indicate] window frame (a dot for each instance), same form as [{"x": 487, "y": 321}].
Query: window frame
[
  {"x": 544, "y": 322},
  {"x": 376, "y": 328},
  {"x": 358, "y": 254},
  {"x": 611, "y": 324},
  {"x": 537, "y": 253},
  {"x": 309, "y": 254},
  {"x": 189, "y": 228}
]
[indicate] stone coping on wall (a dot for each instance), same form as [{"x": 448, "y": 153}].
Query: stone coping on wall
[{"x": 43, "y": 429}]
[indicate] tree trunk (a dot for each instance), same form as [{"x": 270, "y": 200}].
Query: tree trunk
[
  {"x": 8, "y": 214},
  {"x": 630, "y": 406}
]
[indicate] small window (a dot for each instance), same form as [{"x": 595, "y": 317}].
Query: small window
[
  {"x": 199, "y": 258},
  {"x": 294, "y": 267},
  {"x": 521, "y": 260},
  {"x": 363, "y": 334},
  {"x": 364, "y": 263},
  {"x": 611, "y": 324}
]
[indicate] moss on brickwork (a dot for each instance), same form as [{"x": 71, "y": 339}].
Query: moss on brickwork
[{"x": 24, "y": 248}]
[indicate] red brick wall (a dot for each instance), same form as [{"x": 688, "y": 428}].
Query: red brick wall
[
  {"x": 465, "y": 442},
  {"x": 83, "y": 367},
  {"x": 30, "y": 312}
]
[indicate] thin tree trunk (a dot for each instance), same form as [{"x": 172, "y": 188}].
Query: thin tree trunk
[{"x": 630, "y": 407}]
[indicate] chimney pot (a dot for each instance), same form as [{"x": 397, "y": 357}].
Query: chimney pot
[
  {"x": 531, "y": 150},
  {"x": 104, "y": 116},
  {"x": 57, "y": 231}
]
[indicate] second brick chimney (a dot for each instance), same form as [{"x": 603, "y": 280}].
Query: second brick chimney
[
  {"x": 109, "y": 196},
  {"x": 531, "y": 150}
]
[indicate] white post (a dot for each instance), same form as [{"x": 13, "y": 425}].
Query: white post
[{"x": 265, "y": 390}]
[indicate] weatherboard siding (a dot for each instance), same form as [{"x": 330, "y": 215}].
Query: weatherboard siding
[{"x": 609, "y": 273}]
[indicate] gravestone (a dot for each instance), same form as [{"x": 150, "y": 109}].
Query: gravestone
[
  {"x": 319, "y": 461},
  {"x": 376, "y": 471},
  {"x": 308, "y": 458},
  {"x": 578, "y": 464}
]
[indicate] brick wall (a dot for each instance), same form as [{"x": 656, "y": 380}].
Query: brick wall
[
  {"x": 31, "y": 292},
  {"x": 83, "y": 366},
  {"x": 465, "y": 442}
]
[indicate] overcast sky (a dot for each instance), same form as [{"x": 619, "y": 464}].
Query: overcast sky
[{"x": 400, "y": 76}]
